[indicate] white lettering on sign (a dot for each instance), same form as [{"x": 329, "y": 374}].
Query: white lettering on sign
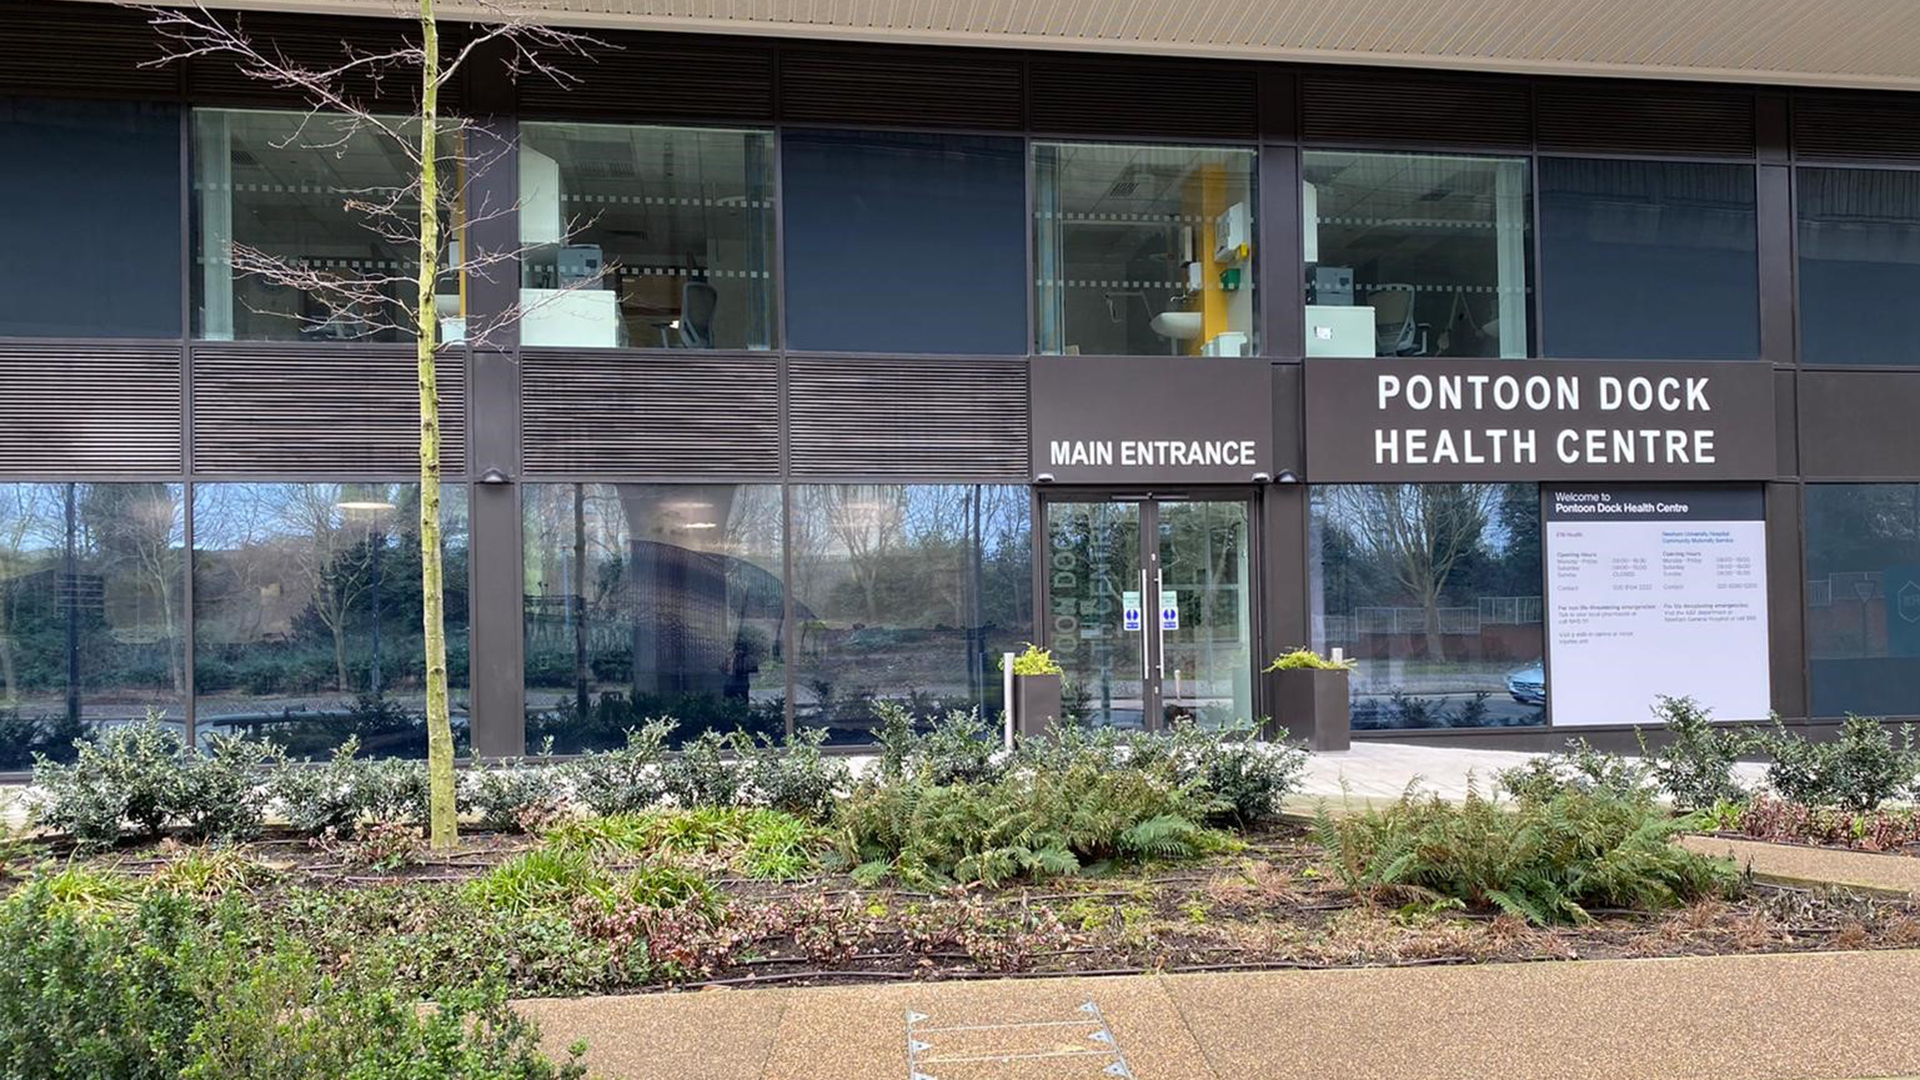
[{"x": 1150, "y": 453}]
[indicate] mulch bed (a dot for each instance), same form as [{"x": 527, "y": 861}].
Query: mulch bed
[{"x": 1269, "y": 906}]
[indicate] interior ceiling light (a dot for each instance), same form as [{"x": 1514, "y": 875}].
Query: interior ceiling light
[{"x": 358, "y": 504}]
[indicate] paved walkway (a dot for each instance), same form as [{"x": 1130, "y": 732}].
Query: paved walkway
[
  {"x": 1807, "y": 865},
  {"x": 1825, "y": 1016},
  {"x": 1382, "y": 771}
]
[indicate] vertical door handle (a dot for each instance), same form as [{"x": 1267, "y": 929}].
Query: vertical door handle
[
  {"x": 1159, "y": 618},
  {"x": 1143, "y": 631}
]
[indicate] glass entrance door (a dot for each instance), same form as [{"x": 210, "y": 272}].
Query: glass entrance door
[{"x": 1149, "y": 608}]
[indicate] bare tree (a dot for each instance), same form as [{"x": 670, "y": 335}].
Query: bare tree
[
  {"x": 1419, "y": 533},
  {"x": 409, "y": 215}
]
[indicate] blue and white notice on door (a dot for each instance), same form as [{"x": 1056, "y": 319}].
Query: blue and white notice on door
[
  {"x": 1169, "y": 610},
  {"x": 1130, "y": 612}
]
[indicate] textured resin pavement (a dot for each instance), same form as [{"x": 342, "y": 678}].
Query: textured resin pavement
[{"x": 1822, "y": 1016}]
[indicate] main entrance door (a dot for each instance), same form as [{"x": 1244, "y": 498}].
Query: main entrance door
[{"x": 1149, "y": 607}]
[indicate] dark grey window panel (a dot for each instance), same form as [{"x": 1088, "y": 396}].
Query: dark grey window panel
[
  {"x": 959, "y": 419},
  {"x": 920, "y": 89},
  {"x": 651, "y": 78},
  {"x": 1213, "y": 102},
  {"x": 1859, "y": 424},
  {"x": 1377, "y": 109},
  {"x": 604, "y": 415},
  {"x": 80, "y": 50},
  {"x": 89, "y": 409},
  {"x": 1846, "y": 128},
  {"x": 319, "y": 410},
  {"x": 1613, "y": 119}
]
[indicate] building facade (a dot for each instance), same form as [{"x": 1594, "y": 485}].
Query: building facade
[{"x": 842, "y": 369}]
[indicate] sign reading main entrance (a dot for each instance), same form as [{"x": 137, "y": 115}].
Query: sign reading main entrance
[
  {"x": 1446, "y": 420},
  {"x": 1152, "y": 420}
]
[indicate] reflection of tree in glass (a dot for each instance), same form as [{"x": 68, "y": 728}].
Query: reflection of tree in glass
[{"x": 1418, "y": 532}]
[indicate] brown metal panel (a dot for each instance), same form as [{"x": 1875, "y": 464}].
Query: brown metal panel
[
  {"x": 1289, "y": 422},
  {"x": 39, "y": 43},
  {"x": 874, "y": 417},
  {"x": 1838, "y": 127},
  {"x": 658, "y": 77},
  {"x": 1379, "y": 107},
  {"x": 1786, "y": 610},
  {"x": 610, "y": 415},
  {"x": 1859, "y": 424},
  {"x": 1610, "y": 118},
  {"x": 911, "y": 88},
  {"x": 1118, "y": 97},
  {"x": 1279, "y": 104},
  {"x": 1773, "y": 216},
  {"x": 1786, "y": 442},
  {"x": 332, "y": 410},
  {"x": 76, "y": 409}
]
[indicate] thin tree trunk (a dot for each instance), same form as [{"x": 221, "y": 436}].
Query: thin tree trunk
[{"x": 443, "y": 828}]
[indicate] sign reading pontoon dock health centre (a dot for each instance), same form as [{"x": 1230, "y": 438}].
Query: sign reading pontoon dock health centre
[
  {"x": 1452, "y": 420},
  {"x": 1655, "y": 589}
]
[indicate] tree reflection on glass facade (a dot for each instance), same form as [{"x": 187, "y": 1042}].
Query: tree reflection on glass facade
[
  {"x": 906, "y": 592},
  {"x": 92, "y": 629},
  {"x": 1863, "y": 598},
  {"x": 307, "y": 614},
  {"x": 647, "y": 600},
  {"x": 1435, "y": 590}
]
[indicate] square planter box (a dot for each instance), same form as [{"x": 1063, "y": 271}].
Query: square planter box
[
  {"x": 1312, "y": 705},
  {"x": 1036, "y": 704}
]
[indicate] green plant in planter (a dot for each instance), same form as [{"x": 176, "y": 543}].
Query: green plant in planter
[
  {"x": 1035, "y": 661},
  {"x": 1304, "y": 659}
]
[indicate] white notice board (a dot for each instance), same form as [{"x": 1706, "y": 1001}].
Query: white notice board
[{"x": 1655, "y": 589}]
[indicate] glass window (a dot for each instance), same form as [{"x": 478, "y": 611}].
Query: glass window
[
  {"x": 1859, "y": 265},
  {"x": 92, "y": 197},
  {"x": 1648, "y": 260},
  {"x": 281, "y": 192},
  {"x": 646, "y": 237},
  {"x": 1434, "y": 589},
  {"x": 647, "y": 600},
  {"x": 1436, "y": 247},
  {"x": 911, "y": 592},
  {"x": 1143, "y": 250},
  {"x": 92, "y": 619},
  {"x": 1863, "y": 598},
  {"x": 900, "y": 242},
  {"x": 307, "y": 614}
]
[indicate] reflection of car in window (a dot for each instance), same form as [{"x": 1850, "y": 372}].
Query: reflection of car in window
[{"x": 1528, "y": 686}]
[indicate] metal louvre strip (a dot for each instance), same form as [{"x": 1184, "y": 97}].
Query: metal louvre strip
[
  {"x": 615, "y": 415},
  {"x": 332, "y": 409},
  {"x": 908, "y": 417},
  {"x": 89, "y": 408}
]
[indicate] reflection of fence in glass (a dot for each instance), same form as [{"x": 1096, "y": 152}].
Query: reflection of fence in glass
[{"x": 1490, "y": 611}]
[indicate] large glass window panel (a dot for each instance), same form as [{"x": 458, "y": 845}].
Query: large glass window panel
[
  {"x": 307, "y": 614},
  {"x": 1648, "y": 260},
  {"x": 1434, "y": 589},
  {"x": 92, "y": 618},
  {"x": 647, "y": 237},
  {"x": 1416, "y": 255},
  {"x": 1863, "y": 598},
  {"x": 1144, "y": 250},
  {"x": 906, "y": 593},
  {"x": 1859, "y": 265},
  {"x": 91, "y": 192},
  {"x": 649, "y": 600},
  {"x": 286, "y": 245},
  {"x": 904, "y": 242}
]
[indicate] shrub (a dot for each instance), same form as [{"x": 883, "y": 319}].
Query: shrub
[
  {"x": 794, "y": 776},
  {"x": 701, "y": 775},
  {"x": 318, "y": 799},
  {"x": 130, "y": 774},
  {"x": 758, "y": 842},
  {"x": 513, "y": 793},
  {"x": 1695, "y": 767},
  {"x": 627, "y": 778},
  {"x": 1578, "y": 768},
  {"x": 1034, "y": 660},
  {"x": 1858, "y": 771},
  {"x": 1296, "y": 659},
  {"x": 1546, "y": 861},
  {"x": 222, "y": 794}
]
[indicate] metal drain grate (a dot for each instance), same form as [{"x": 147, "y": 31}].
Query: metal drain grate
[{"x": 1080, "y": 1045}]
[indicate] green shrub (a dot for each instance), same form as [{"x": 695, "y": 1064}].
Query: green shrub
[
  {"x": 793, "y": 775},
  {"x": 1034, "y": 660},
  {"x": 1695, "y": 767},
  {"x": 321, "y": 798},
  {"x": 222, "y": 795},
  {"x": 139, "y": 778},
  {"x": 627, "y": 778},
  {"x": 1859, "y": 770},
  {"x": 701, "y": 775},
  {"x": 1578, "y": 768},
  {"x": 1547, "y": 861},
  {"x": 758, "y": 842},
  {"x": 1306, "y": 659},
  {"x": 514, "y": 793}
]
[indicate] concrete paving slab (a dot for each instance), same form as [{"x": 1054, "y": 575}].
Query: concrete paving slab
[
  {"x": 708, "y": 1035},
  {"x": 1798, "y": 1017},
  {"x": 1806, "y": 865}
]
